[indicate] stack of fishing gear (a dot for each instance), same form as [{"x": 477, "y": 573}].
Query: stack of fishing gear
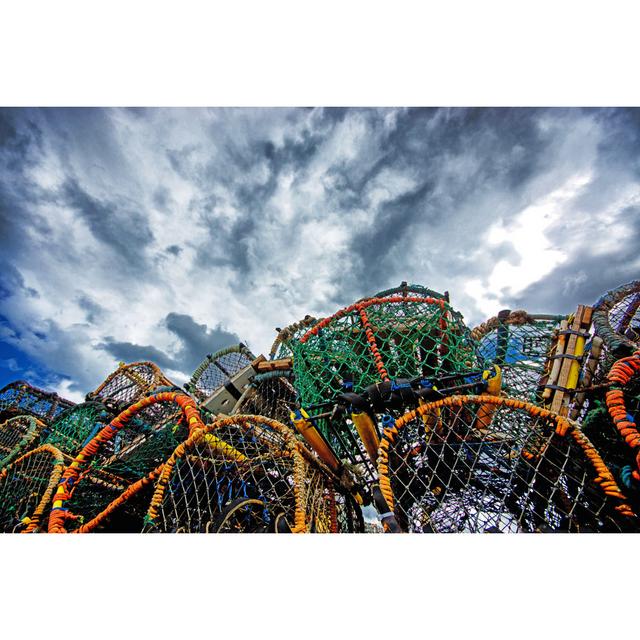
[
  {"x": 249, "y": 474},
  {"x": 526, "y": 423}
]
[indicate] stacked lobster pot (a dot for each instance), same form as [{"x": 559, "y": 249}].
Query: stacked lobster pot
[
  {"x": 612, "y": 406},
  {"x": 28, "y": 467},
  {"x": 369, "y": 362}
]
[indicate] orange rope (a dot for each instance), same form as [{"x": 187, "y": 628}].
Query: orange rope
[
  {"x": 70, "y": 477},
  {"x": 621, "y": 374},
  {"x": 604, "y": 478}
]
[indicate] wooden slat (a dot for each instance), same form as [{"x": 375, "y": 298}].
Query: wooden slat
[{"x": 274, "y": 365}]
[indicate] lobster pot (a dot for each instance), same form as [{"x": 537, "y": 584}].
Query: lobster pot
[
  {"x": 487, "y": 464},
  {"x": 21, "y": 398},
  {"x": 71, "y": 430},
  {"x": 280, "y": 348},
  {"x": 270, "y": 394},
  {"x": 26, "y": 489},
  {"x": 129, "y": 383},
  {"x": 217, "y": 369},
  {"x": 616, "y": 320},
  {"x": 520, "y": 344},
  {"x": 140, "y": 446},
  {"x": 409, "y": 291},
  {"x": 18, "y": 435},
  {"x": 380, "y": 339},
  {"x": 112, "y": 470},
  {"x": 245, "y": 474}
]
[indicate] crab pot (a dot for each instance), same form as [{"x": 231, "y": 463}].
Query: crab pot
[
  {"x": 129, "y": 383},
  {"x": 71, "y": 429},
  {"x": 128, "y": 449},
  {"x": 17, "y": 436},
  {"x": 27, "y": 486},
  {"x": 520, "y": 344},
  {"x": 269, "y": 394},
  {"x": 489, "y": 464},
  {"x": 217, "y": 370},
  {"x": 379, "y": 350},
  {"x": 617, "y": 318},
  {"x": 248, "y": 474},
  {"x": 20, "y": 397},
  {"x": 280, "y": 348},
  {"x": 380, "y": 339}
]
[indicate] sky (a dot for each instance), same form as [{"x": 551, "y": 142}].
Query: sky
[{"x": 166, "y": 234}]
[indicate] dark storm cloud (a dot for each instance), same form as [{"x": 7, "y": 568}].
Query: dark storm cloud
[
  {"x": 129, "y": 352},
  {"x": 586, "y": 277},
  {"x": 118, "y": 225},
  {"x": 502, "y": 149},
  {"x": 197, "y": 340},
  {"x": 93, "y": 310},
  {"x": 11, "y": 282},
  {"x": 197, "y": 204}
]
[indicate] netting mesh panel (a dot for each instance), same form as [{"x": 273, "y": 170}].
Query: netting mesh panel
[
  {"x": 394, "y": 338},
  {"x": 72, "y": 428},
  {"x": 130, "y": 382},
  {"x": 349, "y": 514},
  {"x": 21, "y": 397},
  {"x": 138, "y": 448},
  {"x": 16, "y": 436},
  {"x": 220, "y": 471},
  {"x": 26, "y": 489},
  {"x": 520, "y": 345},
  {"x": 217, "y": 369},
  {"x": 280, "y": 347},
  {"x": 616, "y": 319},
  {"x": 245, "y": 473},
  {"x": 271, "y": 395},
  {"x": 407, "y": 290},
  {"x": 624, "y": 317},
  {"x": 459, "y": 469}
]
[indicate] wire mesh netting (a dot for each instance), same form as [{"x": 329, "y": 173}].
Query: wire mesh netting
[
  {"x": 133, "y": 444},
  {"x": 71, "y": 429},
  {"x": 270, "y": 394},
  {"x": 487, "y": 464},
  {"x": 616, "y": 319},
  {"x": 130, "y": 382},
  {"x": 380, "y": 339},
  {"x": 26, "y": 489},
  {"x": 20, "y": 397},
  {"x": 249, "y": 474},
  {"x": 376, "y": 348},
  {"x": 520, "y": 344},
  {"x": 280, "y": 347},
  {"x": 17, "y": 435},
  {"x": 217, "y": 369}
]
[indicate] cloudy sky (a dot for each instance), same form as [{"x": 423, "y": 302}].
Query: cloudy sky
[{"x": 166, "y": 234}]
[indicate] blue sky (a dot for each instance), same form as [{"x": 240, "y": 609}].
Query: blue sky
[{"x": 168, "y": 233}]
